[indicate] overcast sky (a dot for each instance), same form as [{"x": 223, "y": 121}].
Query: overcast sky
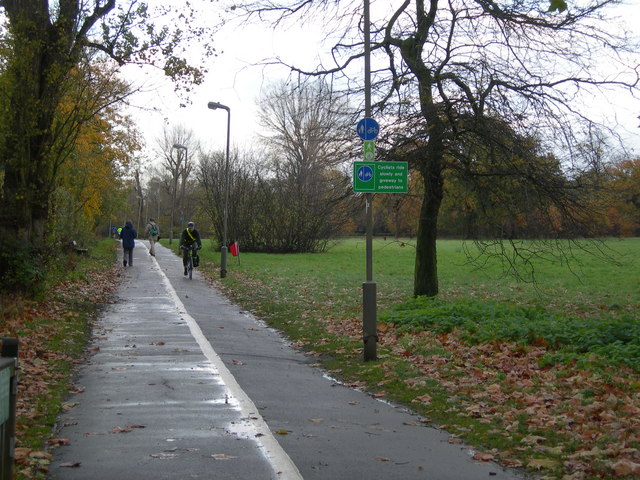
[{"x": 235, "y": 80}]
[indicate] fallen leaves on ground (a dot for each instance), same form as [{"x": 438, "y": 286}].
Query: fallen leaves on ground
[
  {"x": 24, "y": 319},
  {"x": 126, "y": 429},
  {"x": 58, "y": 442},
  {"x": 626, "y": 467},
  {"x": 483, "y": 457},
  {"x": 222, "y": 456},
  {"x": 587, "y": 423}
]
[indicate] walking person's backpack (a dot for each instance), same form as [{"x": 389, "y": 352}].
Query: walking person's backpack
[{"x": 154, "y": 229}]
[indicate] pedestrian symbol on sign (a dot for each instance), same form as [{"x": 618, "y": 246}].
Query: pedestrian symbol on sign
[{"x": 365, "y": 173}]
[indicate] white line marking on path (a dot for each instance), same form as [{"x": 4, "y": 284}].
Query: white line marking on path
[{"x": 280, "y": 461}]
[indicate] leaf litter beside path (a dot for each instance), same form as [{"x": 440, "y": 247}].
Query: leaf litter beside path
[
  {"x": 53, "y": 334},
  {"x": 577, "y": 423}
]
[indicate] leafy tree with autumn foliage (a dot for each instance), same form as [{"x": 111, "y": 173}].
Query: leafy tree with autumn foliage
[
  {"x": 509, "y": 188},
  {"x": 622, "y": 199},
  {"x": 101, "y": 151},
  {"x": 43, "y": 43}
]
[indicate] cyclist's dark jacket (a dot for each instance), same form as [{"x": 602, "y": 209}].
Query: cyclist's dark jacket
[{"x": 189, "y": 238}]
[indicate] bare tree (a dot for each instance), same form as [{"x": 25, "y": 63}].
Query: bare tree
[
  {"x": 248, "y": 202},
  {"x": 178, "y": 162},
  {"x": 139, "y": 196},
  {"x": 155, "y": 187},
  {"x": 450, "y": 74},
  {"x": 307, "y": 136},
  {"x": 296, "y": 196}
]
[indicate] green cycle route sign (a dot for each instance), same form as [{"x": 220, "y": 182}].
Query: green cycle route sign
[{"x": 380, "y": 177}]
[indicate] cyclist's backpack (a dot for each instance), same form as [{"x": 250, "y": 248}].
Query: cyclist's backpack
[
  {"x": 154, "y": 229},
  {"x": 196, "y": 259}
]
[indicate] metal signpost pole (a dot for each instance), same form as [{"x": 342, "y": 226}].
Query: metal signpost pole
[{"x": 369, "y": 314}]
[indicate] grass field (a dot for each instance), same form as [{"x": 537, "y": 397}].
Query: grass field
[
  {"x": 588, "y": 284},
  {"x": 541, "y": 375}
]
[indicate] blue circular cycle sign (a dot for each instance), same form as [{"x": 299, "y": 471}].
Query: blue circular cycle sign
[
  {"x": 365, "y": 173},
  {"x": 367, "y": 129}
]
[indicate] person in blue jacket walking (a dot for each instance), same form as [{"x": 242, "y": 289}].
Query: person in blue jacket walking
[{"x": 128, "y": 234}]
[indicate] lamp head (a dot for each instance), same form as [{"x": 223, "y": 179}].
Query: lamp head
[{"x": 216, "y": 105}]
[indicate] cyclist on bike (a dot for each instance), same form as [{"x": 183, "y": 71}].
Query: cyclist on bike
[{"x": 188, "y": 237}]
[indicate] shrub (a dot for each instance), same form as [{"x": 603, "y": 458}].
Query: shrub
[
  {"x": 21, "y": 267},
  {"x": 614, "y": 338}
]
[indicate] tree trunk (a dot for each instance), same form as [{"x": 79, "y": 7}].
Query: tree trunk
[
  {"x": 426, "y": 268},
  {"x": 33, "y": 79}
]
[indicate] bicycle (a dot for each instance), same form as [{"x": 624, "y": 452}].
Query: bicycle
[{"x": 192, "y": 249}]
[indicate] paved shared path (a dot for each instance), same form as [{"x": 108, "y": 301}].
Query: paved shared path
[{"x": 183, "y": 384}]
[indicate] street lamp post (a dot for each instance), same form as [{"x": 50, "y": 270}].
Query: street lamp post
[
  {"x": 177, "y": 146},
  {"x": 223, "y": 249}
]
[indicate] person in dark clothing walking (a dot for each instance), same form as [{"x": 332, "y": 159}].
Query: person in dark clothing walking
[{"x": 128, "y": 234}]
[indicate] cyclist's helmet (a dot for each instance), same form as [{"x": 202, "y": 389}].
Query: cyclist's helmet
[{"x": 190, "y": 225}]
